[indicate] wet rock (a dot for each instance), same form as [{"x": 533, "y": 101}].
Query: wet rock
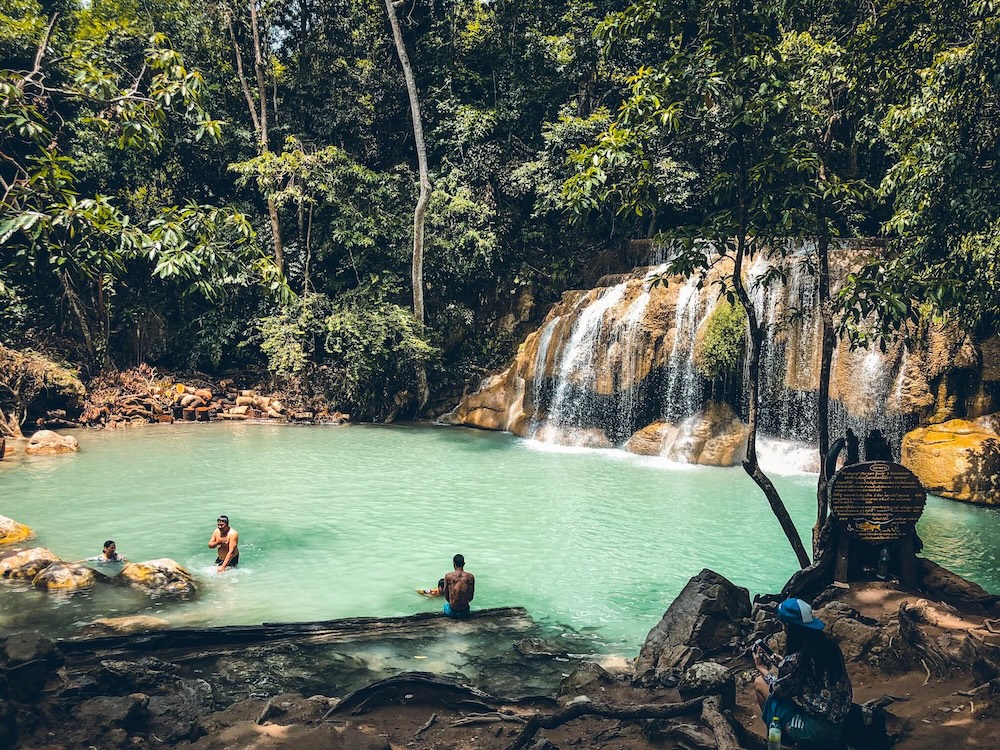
[
  {"x": 125, "y": 625},
  {"x": 8, "y": 725},
  {"x": 27, "y": 662},
  {"x": 653, "y": 440},
  {"x": 46, "y": 442},
  {"x": 161, "y": 577},
  {"x": 579, "y": 437},
  {"x": 126, "y": 712},
  {"x": 957, "y": 459},
  {"x": 714, "y": 437},
  {"x": 291, "y": 708},
  {"x": 26, "y": 564},
  {"x": 708, "y": 617},
  {"x": 176, "y": 715},
  {"x": 12, "y": 532},
  {"x": 536, "y": 648},
  {"x": 708, "y": 678},
  {"x": 586, "y": 679},
  {"x": 65, "y": 577}
]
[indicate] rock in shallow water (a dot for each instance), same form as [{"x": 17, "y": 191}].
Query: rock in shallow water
[
  {"x": 47, "y": 442},
  {"x": 126, "y": 625},
  {"x": 26, "y": 564},
  {"x": 65, "y": 576},
  {"x": 162, "y": 576},
  {"x": 12, "y": 532}
]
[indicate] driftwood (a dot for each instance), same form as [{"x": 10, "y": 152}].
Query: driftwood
[
  {"x": 183, "y": 640},
  {"x": 427, "y": 725},
  {"x": 711, "y": 714},
  {"x": 935, "y": 659},
  {"x": 424, "y": 688},
  {"x": 605, "y": 710}
]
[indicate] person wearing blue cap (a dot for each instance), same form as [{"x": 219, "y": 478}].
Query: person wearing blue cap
[{"x": 810, "y": 693}]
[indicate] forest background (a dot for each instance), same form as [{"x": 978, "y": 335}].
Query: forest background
[{"x": 231, "y": 186}]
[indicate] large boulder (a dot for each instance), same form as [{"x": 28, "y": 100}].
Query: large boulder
[
  {"x": 26, "y": 564},
  {"x": 160, "y": 577},
  {"x": 709, "y": 617},
  {"x": 653, "y": 439},
  {"x": 65, "y": 577},
  {"x": 48, "y": 442},
  {"x": 714, "y": 437},
  {"x": 956, "y": 459},
  {"x": 708, "y": 678},
  {"x": 12, "y": 532}
]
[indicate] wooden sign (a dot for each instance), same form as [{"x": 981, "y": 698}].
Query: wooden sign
[{"x": 877, "y": 501}]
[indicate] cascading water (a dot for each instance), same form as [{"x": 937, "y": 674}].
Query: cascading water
[
  {"x": 576, "y": 375},
  {"x": 684, "y": 389}
]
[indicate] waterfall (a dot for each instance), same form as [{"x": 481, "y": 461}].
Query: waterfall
[
  {"x": 576, "y": 373},
  {"x": 684, "y": 388}
]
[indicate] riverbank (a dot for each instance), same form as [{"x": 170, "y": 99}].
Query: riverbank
[{"x": 933, "y": 666}]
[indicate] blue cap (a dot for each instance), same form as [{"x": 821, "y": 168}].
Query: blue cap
[{"x": 798, "y": 612}]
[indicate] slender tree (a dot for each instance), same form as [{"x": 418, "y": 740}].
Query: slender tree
[{"x": 419, "y": 212}]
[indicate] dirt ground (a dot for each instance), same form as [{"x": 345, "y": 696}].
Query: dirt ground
[{"x": 935, "y": 717}]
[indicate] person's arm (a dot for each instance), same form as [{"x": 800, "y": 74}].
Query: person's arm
[
  {"x": 472, "y": 587},
  {"x": 788, "y": 682},
  {"x": 214, "y": 541},
  {"x": 444, "y": 588},
  {"x": 234, "y": 540}
]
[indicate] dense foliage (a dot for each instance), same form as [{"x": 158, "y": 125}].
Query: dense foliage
[{"x": 230, "y": 185}]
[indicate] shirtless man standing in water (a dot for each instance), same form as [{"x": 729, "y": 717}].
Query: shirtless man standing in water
[
  {"x": 226, "y": 540},
  {"x": 458, "y": 590}
]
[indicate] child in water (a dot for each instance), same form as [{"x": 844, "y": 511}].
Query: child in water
[{"x": 432, "y": 592}]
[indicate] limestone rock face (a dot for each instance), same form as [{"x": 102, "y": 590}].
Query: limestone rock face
[
  {"x": 26, "y": 564},
  {"x": 65, "y": 576},
  {"x": 47, "y": 441},
  {"x": 126, "y": 625},
  {"x": 956, "y": 459},
  {"x": 163, "y": 576},
  {"x": 653, "y": 439},
  {"x": 715, "y": 437},
  {"x": 709, "y": 616},
  {"x": 989, "y": 422},
  {"x": 12, "y": 532}
]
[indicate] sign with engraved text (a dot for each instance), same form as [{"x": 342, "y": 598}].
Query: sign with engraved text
[{"x": 876, "y": 501}]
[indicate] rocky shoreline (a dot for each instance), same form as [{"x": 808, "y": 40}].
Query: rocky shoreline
[{"x": 930, "y": 658}]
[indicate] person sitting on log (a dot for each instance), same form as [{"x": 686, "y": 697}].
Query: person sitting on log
[
  {"x": 109, "y": 555},
  {"x": 458, "y": 590},
  {"x": 810, "y": 694}
]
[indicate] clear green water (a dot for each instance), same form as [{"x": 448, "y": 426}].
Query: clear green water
[{"x": 348, "y": 521}]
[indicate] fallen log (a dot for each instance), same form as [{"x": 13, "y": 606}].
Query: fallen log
[
  {"x": 184, "y": 640},
  {"x": 424, "y": 688},
  {"x": 204, "y": 394},
  {"x": 605, "y": 710},
  {"x": 711, "y": 714}
]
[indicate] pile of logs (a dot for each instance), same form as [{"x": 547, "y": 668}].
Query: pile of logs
[{"x": 140, "y": 396}]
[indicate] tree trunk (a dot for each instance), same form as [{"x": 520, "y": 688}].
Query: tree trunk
[
  {"x": 272, "y": 208},
  {"x": 826, "y": 363},
  {"x": 750, "y": 463},
  {"x": 417, "y": 268},
  {"x": 259, "y": 119}
]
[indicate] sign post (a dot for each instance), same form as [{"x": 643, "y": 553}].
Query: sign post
[{"x": 876, "y": 504}]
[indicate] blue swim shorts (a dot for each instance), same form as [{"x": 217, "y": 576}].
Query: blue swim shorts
[{"x": 458, "y": 615}]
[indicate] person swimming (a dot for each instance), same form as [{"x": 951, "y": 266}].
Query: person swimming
[{"x": 432, "y": 592}]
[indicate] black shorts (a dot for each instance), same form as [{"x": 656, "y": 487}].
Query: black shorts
[{"x": 234, "y": 563}]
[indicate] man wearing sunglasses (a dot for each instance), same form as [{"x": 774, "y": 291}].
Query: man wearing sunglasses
[{"x": 225, "y": 540}]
